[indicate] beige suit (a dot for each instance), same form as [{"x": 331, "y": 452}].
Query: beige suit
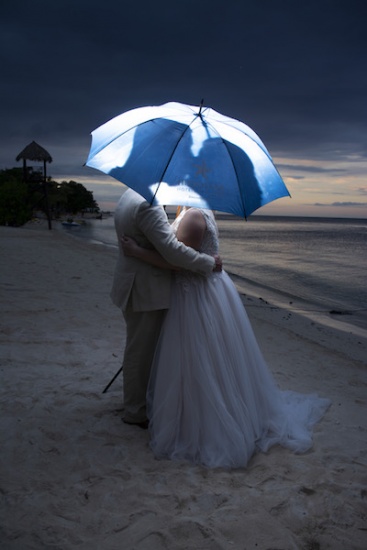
[{"x": 142, "y": 291}]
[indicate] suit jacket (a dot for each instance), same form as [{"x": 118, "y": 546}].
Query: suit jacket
[{"x": 149, "y": 286}]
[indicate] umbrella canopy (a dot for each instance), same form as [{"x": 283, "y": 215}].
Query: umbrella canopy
[
  {"x": 33, "y": 151},
  {"x": 177, "y": 154}
]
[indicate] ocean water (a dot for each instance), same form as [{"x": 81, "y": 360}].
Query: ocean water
[
  {"x": 311, "y": 264},
  {"x": 315, "y": 264}
]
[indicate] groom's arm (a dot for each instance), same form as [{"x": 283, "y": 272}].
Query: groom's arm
[{"x": 148, "y": 255}]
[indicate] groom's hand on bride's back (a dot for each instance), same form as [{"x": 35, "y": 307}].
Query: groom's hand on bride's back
[{"x": 218, "y": 263}]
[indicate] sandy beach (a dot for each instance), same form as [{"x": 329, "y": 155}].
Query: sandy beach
[{"x": 73, "y": 475}]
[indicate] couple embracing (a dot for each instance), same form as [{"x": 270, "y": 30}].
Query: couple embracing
[{"x": 192, "y": 367}]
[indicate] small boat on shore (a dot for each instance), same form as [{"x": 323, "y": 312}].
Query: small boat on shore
[{"x": 70, "y": 224}]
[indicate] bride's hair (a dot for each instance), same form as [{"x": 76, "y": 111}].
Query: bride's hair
[{"x": 180, "y": 208}]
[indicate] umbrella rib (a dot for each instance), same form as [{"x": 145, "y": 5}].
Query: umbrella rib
[
  {"x": 169, "y": 160},
  {"x": 234, "y": 168}
]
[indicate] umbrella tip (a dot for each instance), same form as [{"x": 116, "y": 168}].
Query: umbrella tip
[{"x": 201, "y": 106}]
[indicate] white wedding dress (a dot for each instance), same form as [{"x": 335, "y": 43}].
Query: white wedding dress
[{"x": 211, "y": 397}]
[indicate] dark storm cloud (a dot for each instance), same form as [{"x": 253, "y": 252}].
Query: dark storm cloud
[
  {"x": 343, "y": 204},
  {"x": 310, "y": 169},
  {"x": 295, "y": 72}
]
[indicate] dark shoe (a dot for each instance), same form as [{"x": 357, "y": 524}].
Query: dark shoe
[{"x": 143, "y": 425}]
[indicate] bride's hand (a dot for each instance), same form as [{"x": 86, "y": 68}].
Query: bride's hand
[
  {"x": 218, "y": 263},
  {"x": 129, "y": 246}
]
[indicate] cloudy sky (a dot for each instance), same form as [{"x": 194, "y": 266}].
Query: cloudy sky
[{"x": 296, "y": 72}]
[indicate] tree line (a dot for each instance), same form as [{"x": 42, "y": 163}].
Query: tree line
[{"x": 20, "y": 197}]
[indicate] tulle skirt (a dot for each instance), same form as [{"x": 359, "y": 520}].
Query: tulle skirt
[{"x": 211, "y": 398}]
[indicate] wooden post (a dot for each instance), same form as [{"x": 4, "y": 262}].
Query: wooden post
[{"x": 46, "y": 195}]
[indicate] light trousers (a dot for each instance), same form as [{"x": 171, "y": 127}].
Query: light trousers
[{"x": 142, "y": 333}]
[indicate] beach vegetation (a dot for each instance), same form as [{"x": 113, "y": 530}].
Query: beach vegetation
[
  {"x": 19, "y": 199},
  {"x": 14, "y": 205},
  {"x": 72, "y": 197}
]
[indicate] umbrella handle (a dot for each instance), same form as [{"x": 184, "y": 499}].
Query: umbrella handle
[{"x": 112, "y": 381}]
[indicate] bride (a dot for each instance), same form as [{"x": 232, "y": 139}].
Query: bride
[{"x": 211, "y": 397}]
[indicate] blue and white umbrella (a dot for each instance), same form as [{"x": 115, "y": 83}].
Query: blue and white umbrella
[{"x": 177, "y": 154}]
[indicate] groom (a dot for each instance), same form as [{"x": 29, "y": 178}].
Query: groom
[{"x": 142, "y": 292}]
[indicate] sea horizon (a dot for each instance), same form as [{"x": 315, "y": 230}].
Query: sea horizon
[{"x": 262, "y": 217}]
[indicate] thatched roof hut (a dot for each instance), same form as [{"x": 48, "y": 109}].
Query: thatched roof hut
[{"x": 33, "y": 151}]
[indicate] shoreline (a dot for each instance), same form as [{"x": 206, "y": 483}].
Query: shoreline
[
  {"x": 326, "y": 311},
  {"x": 258, "y": 297},
  {"x": 72, "y": 474},
  {"x": 304, "y": 321},
  {"x": 340, "y": 318},
  {"x": 265, "y": 304}
]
